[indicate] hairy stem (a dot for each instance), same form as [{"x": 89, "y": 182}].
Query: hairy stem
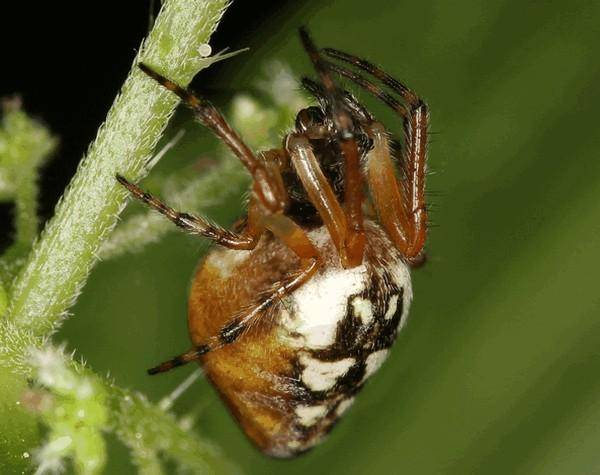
[{"x": 64, "y": 255}]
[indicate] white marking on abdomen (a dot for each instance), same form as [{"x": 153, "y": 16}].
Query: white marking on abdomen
[
  {"x": 320, "y": 304},
  {"x": 374, "y": 362},
  {"x": 313, "y": 312},
  {"x": 310, "y": 415},
  {"x": 401, "y": 277},
  {"x": 363, "y": 309},
  {"x": 392, "y": 307},
  {"x": 322, "y": 376},
  {"x": 344, "y": 406}
]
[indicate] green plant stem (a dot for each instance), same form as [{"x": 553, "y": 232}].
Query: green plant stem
[{"x": 64, "y": 255}]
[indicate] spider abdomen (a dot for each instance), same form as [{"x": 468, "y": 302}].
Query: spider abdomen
[{"x": 289, "y": 380}]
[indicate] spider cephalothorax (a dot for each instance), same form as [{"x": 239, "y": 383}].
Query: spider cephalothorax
[
  {"x": 315, "y": 124},
  {"x": 302, "y": 303}
]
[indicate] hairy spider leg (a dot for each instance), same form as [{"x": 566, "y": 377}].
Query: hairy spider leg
[
  {"x": 372, "y": 88},
  {"x": 294, "y": 237},
  {"x": 353, "y": 193},
  {"x": 401, "y": 207},
  {"x": 319, "y": 191},
  {"x": 267, "y": 183},
  {"x": 195, "y": 224},
  {"x": 399, "y": 87}
]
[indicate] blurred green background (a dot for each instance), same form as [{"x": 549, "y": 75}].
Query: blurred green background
[{"x": 497, "y": 371}]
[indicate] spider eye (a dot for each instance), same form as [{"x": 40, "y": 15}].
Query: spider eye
[{"x": 309, "y": 117}]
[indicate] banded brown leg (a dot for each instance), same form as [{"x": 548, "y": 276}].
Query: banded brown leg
[
  {"x": 408, "y": 198},
  {"x": 405, "y": 224},
  {"x": 321, "y": 196},
  {"x": 194, "y": 224},
  {"x": 267, "y": 184},
  {"x": 353, "y": 194}
]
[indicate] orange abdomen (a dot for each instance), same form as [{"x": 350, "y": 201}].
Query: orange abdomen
[{"x": 288, "y": 379}]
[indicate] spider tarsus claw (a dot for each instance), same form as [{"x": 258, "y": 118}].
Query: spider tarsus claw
[
  {"x": 185, "y": 95},
  {"x": 125, "y": 183},
  {"x": 144, "y": 67},
  {"x": 156, "y": 76}
]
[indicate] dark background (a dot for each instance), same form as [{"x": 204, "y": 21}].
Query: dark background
[{"x": 497, "y": 371}]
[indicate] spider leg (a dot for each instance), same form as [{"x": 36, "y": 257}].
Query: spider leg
[
  {"x": 353, "y": 193},
  {"x": 357, "y": 110},
  {"x": 411, "y": 194},
  {"x": 249, "y": 317},
  {"x": 322, "y": 196},
  {"x": 197, "y": 225},
  {"x": 401, "y": 208},
  {"x": 372, "y": 88},
  {"x": 267, "y": 185},
  {"x": 406, "y": 94}
]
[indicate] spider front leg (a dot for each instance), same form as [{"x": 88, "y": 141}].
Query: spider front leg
[
  {"x": 294, "y": 237},
  {"x": 402, "y": 206},
  {"x": 354, "y": 243},
  {"x": 323, "y": 198},
  {"x": 197, "y": 225},
  {"x": 267, "y": 183}
]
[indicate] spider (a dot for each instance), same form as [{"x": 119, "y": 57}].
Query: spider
[{"x": 301, "y": 302}]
